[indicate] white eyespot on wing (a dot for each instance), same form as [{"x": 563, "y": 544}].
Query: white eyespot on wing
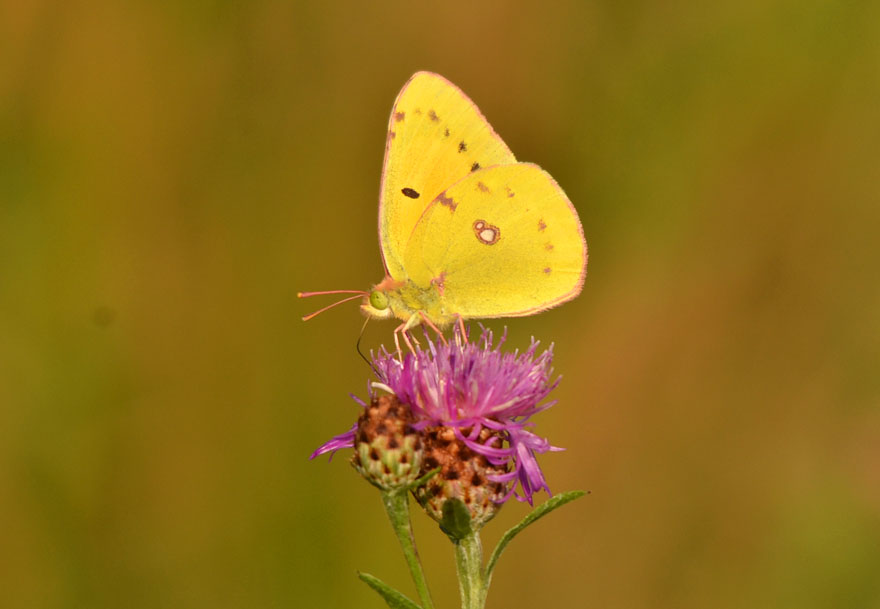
[{"x": 486, "y": 233}]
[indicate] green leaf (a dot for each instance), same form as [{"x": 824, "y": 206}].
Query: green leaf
[
  {"x": 456, "y": 520},
  {"x": 393, "y": 598},
  {"x": 424, "y": 479},
  {"x": 540, "y": 511}
]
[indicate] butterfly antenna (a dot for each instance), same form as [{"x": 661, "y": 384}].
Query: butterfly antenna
[
  {"x": 307, "y": 294},
  {"x": 358, "y": 294}
]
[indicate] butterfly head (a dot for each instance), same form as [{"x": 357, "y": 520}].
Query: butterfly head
[{"x": 377, "y": 303}]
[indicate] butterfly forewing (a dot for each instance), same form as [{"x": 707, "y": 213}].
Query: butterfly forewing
[{"x": 436, "y": 137}]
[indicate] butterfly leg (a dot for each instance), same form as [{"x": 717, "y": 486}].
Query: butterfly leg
[
  {"x": 427, "y": 321},
  {"x": 411, "y": 323},
  {"x": 397, "y": 343},
  {"x": 398, "y": 332},
  {"x": 461, "y": 328},
  {"x": 403, "y": 330}
]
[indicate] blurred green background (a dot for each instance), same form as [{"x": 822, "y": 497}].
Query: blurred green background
[{"x": 171, "y": 174}]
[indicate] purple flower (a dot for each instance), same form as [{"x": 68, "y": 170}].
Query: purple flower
[{"x": 470, "y": 387}]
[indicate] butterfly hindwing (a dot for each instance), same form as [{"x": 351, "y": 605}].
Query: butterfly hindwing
[
  {"x": 504, "y": 241},
  {"x": 436, "y": 137}
]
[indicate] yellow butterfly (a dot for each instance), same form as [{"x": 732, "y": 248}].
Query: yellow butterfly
[{"x": 466, "y": 231}]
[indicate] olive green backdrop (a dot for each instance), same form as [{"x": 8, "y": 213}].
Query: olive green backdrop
[{"x": 172, "y": 173}]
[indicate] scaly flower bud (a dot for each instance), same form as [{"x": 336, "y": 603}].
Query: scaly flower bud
[
  {"x": 464, "y": 474},
  {"x": 388, "y": 452}
]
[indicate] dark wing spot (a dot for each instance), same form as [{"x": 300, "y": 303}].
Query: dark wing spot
[
  {"x": 447, "y": 201},
  {"x": 399, "y": 116},
  {"x": 446, "y": 133},
  {"x": 547, "y": 270},
  {"x": 482, "y": 187},
  {"x": 409, "y": 192},
  {"x": 548, "y": 247},
  {"x": 475, "y": 166},
  {"x": 433, "y": 116},
  {"x": 541, "y": 225},
  {"x": 462, "y": 147},
  {"x": 510, "y": 193}
]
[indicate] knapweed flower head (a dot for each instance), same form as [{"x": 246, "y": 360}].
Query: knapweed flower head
[
  {"x": 388, "y": 451},
  {"x": 473, "y": 404}
]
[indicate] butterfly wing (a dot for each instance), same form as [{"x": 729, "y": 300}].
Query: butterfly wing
[
  {"x": 436, "y": 137},
  {"x": 504, "y": 241}
]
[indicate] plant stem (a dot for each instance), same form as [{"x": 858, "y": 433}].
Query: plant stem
[
  {"x": 397, "y": 506},
  {"x": 472, "y": 581}
]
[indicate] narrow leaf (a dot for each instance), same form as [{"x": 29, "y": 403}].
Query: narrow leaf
[
  {"x": 540, "y": 511},
  {"x": 424, "y": 479},
  {"x": 393, "y": 598}
]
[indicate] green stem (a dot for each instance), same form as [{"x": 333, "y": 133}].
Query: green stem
[
  {"x": 397, "y": 506},
  {"x": 472, "y": 581}
]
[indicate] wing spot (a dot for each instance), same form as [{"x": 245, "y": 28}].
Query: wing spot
[
  {"x": 392, "y": 135},
  {"x": 409, "y": 192},
  {"x": 541, "y": 225},
  {"x": 482, "y": 187},
  {"x": 399, "y": 116},
  {"x": 442, "y": 199},
  {"x": 475, "y": 166},
  {"x": 462, "y": 147},
  {"x": 417, "y": 111},
  {"x": 446, "y": 132},
  {"x": 547, "y": 270},
  {"x": 433, "y": 116},
  {"x": 548, "y": 247},
  {"x": 510, "y": 192},
  {"x": 486, "y": 233}
]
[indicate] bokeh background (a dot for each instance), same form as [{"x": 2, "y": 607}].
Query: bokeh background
[{"x": 172, "y": 173}]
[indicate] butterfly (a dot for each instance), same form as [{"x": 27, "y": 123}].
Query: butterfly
[{"x": 466, "y": 231}]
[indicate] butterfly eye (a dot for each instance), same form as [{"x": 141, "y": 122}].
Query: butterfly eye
[{"x": 378, "y": 300}]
